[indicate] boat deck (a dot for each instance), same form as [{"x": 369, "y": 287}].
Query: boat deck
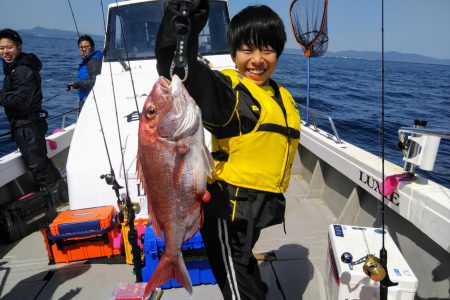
[{"x": 297, "y": 272}]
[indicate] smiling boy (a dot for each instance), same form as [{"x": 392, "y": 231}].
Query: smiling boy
[{"x": 255, "y": 127}]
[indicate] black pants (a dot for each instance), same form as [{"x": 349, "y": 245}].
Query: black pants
[
  {"x": 30, "y": 139},
  {"x": 234, "y": 219},
  {"x": 233, "y": 264}
]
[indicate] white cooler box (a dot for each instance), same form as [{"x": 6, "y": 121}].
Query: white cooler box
[{"x": 347, "y": 283}]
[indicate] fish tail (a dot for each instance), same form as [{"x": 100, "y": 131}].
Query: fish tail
[{"x": 167, "y": 269}]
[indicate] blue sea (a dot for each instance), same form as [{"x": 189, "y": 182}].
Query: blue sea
[{"x": 349, "y": 90}]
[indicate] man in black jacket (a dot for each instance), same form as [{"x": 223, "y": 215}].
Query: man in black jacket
[{"x": 21, "y": 98}]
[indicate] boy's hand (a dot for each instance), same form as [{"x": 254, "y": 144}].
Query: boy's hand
[{"x": 194, "y": 4}]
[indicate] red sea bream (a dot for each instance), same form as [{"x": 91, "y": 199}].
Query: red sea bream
[{"x": 173, "y": 164}]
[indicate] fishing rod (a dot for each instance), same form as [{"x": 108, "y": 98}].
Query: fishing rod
[
  {"x": 73, "y": 16},
  {"x": 386, "y": 282},
  {"x": 127, "y": 57},
  {"x": 45, "y": 99},
  {"x": 54, "y": 96},
  {"x": 7, "y": 133},
  {"x": 132, "y": 234},
  {"x": 110, "y": 178},
  {"x": 7, "y": 93}
]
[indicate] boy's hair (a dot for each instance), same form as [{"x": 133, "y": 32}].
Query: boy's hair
[
  {"x": 256, "y": 26},
  {"x": 86, "y": 38},
  {"x": 12, "y": 35}
]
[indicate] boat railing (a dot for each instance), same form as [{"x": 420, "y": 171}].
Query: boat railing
[
  {"x": 63, "y": 116},
  {"x": 325, "y": 115}
]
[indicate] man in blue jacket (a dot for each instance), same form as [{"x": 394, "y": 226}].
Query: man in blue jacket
[{"x": 89, "y": 67}]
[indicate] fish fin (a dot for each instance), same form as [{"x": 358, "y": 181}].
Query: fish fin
[
  {"x": 167, "y": 269},
  {"x": 197, "y": 220},
  {"x": 182, "y": 147},
  {"x": 206, "y": 196},
  {"x": 155, "y": 226},
  {"x": 209, "y": 161}
]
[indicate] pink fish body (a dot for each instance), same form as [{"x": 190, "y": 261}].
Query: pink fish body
[{"x": 173, "y": 164}]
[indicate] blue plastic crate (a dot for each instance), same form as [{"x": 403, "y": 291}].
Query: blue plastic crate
[{"x": 194, "y": 256}]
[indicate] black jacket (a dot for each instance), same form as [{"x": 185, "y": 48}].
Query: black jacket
[
  {"x": 223, "y": 115},
  {"x": 210, "y": 89},
  {"x": 21, "y": 95}
]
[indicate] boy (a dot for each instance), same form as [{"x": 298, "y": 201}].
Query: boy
[{"x": 255, "y": 127}]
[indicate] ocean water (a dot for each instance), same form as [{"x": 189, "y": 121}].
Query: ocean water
[{"x": 349, "y": 90}]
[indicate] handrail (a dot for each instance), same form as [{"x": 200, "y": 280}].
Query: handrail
[
  {"x": 326, "y": 115},
  {"x": 6, "y": 135}
]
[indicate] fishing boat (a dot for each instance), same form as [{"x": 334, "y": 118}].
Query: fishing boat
[{"x": 335, "y": 191}]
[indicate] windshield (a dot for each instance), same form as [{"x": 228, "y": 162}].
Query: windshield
[{"x": 132, "y": 29}]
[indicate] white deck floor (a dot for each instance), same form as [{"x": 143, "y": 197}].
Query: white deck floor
[{"x": 296, "y": 274}]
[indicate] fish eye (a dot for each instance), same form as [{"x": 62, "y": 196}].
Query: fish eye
[{"x": 151, "y": 112}]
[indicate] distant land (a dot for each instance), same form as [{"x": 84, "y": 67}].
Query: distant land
[
  {"x": 388, "y": 56},
  {"x": 371, "y": 55},
  {"x": 55, "y": 33}
]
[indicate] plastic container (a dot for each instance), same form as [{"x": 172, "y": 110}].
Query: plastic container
[
  {"x": 26, "y": 215},
  {"x": 194, "y": 254},
  {"x": 82, "y": 234},
  {"x": 348, "y": 281}
]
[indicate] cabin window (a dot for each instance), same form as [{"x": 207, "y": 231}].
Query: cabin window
[{"x": 132, "y": 29}]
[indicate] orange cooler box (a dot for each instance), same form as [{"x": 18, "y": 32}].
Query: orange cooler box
[{"x": 82, "y": 234}]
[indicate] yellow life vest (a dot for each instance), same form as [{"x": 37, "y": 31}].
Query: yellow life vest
[{"x": 262, "y": 158}]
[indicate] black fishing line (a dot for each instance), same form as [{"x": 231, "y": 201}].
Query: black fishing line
[
  {"x": 101, "y": 125},
  {"x": 7, "y": 133},
  {"x": 116, "y": 112},
  {"x": 132, "y": 234},
  {"x": 73, "y": 16},
  {"x": 110, "y": 178},
  {"x": 128, "y": 58}
]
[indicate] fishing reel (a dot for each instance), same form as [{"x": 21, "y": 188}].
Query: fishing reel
[
  {"x": 134, "y": 205},
  {"x": 372, "y": 266},
  {"x": 127, "y": 208}
]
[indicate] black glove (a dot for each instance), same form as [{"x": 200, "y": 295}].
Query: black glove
[
  {"x": 72, "y": 86},
  {"x": 188, "y": 6}
]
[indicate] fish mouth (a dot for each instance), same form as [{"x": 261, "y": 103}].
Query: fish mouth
[{"x": 176, "y": 86}]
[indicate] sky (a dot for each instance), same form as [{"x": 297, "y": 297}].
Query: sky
[{"x": 410, "y": 26}]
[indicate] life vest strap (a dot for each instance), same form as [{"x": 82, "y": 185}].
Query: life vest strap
[
  {"x": 287, "y": 131},
  {"x": 220, "y": 155}
]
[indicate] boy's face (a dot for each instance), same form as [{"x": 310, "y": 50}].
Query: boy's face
[
  {"x": 256, "y": 64},
  {"x": 8, "y": 50}
]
